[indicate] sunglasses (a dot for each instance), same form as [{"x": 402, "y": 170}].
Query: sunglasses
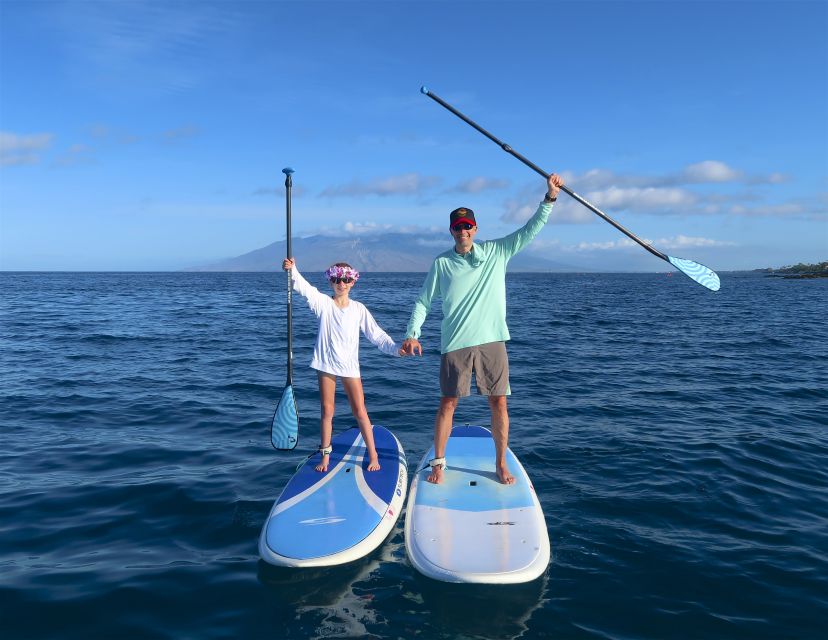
[
  {"x": 340, "y": 280},
  {"x": 462, "y": 226}
]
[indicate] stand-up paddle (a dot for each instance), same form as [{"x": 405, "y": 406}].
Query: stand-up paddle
[
  {"x": 698, "y": 272},
  {"x": 284, "y": 431}
]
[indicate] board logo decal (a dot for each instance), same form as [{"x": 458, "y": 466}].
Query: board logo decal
[
  {"x": 398, "y": 490},
  {"x": 500, "y": 523}
]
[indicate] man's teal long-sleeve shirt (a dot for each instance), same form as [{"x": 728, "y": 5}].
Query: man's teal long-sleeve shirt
[{"x": 473, "y": 289}]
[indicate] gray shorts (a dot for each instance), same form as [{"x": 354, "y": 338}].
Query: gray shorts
[{"x": 489, "y": 363}]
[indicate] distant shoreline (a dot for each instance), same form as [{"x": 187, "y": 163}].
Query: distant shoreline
[{"x": 798, "y": 272}]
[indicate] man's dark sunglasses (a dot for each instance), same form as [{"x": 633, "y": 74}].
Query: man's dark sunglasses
[
  {"x": 462, "y": 226},
  {"x": 338, "y": 280}
]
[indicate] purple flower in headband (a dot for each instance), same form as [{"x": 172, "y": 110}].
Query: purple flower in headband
[{"x": 342, "y": 272}]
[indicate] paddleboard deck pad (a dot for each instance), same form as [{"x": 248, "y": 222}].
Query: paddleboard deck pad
[
  {"x": 471, "y": 528},
  {"x": 341, "y": 515}
]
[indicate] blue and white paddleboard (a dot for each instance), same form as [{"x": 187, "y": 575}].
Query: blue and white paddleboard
[
  {"x": 330, "y": 518},
  {"x": 472, "y": 528}
]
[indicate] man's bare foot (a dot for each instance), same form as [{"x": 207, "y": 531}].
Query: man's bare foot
[
  {"x": 373, "y": 463},
  {"x": 436, "y": 475},
  {"x": 504, "y": 476},
  {"x": 323, "y": 466}
]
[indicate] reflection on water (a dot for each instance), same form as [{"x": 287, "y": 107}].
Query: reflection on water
[
  {"x": 352, "y": 600},
  {"x": 331, "y": 596},
  {"x": 486, "y": 611},
  {"x": 342, "y": 600}
]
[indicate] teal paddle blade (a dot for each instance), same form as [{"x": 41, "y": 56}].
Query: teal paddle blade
[
  {"x": 284, "y": 432},
  {"x": 704, "y": 276}
]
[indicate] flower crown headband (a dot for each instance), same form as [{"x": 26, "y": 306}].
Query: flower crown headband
[{"x": 342, "y": 272}]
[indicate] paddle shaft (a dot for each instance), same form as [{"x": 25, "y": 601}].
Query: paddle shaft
[
  {"x": 288, "y": 187},
  {"x": 536, "y": 168}
]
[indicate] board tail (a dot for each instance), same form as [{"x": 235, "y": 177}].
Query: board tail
[{"x": 284, "y": 432}]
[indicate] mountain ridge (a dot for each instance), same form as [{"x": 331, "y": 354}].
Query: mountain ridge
[{"x": 390, "y": 252}]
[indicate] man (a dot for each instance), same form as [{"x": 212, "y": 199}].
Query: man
[{"x": 471, "y": 280}]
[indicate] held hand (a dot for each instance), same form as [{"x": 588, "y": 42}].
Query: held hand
[
  {"x": 288, "y": 264},
  {"x": 410, "y": 346},
  {"x": 553, "y": 185}
]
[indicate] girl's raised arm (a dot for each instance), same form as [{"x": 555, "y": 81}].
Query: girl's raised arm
[{"x": 316, "y": 299}]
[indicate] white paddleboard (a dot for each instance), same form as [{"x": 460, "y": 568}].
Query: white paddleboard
[
  {"x": 341, "y": 515},
  {"x": 471, "y": 528}
]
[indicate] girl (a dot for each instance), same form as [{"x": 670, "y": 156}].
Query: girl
[{"x": 336, "y": 353}]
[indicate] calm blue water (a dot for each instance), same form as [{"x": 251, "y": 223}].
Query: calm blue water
[{"x": 678, "y": 440}]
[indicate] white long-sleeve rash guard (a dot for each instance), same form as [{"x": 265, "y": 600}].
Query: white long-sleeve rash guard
[{"x": 337, "y": 341}]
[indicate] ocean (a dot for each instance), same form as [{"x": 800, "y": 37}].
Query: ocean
[{"x": 677, "y": 439}]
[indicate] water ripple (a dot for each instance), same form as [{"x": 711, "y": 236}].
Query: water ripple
[{"x": 676, "y": 438}]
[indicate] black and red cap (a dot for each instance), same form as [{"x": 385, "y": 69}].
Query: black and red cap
[{"x": 463, "y": 214}]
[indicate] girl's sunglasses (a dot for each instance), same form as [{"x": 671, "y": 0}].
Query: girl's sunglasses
[
  {"x": 339, "y": 280},
  {"x": 462, "y": 226}
]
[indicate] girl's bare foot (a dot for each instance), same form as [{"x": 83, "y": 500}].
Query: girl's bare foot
[
  {"x": 373, "y": 463},
  {"x": 323, "y": 466}
]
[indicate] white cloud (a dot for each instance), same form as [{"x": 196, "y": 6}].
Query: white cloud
[
  {"x": 685, "y": 242},
  {"x": 705, "y": 172},
  {"x": 22, "y": 149},
  {"x": 519, "y": 209},
  {"x": 642, "y": 198},
  {"x": 675, "y": 242},
  {"x": 596, "y": 179},
  {"x": 710, "y": 171},
  {"x": 715, "y": 172},
  {"x": 424, "y": 235},
  {"x": 405, "y": 184},
  {"x": 353, "y": 228},
  {"x": 361, "y": 228},
  {"x": 622, "y": 243},
  {"x": 813, "y": 208},
  {"x": 478, "y": 184},
  {"x": 620, "y": 194},
  {"x": 517, "y": 212},
  {"x": 562, "y": 213}
]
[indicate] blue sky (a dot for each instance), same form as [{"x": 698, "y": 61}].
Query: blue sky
[{"x": 151, "y": 135}]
